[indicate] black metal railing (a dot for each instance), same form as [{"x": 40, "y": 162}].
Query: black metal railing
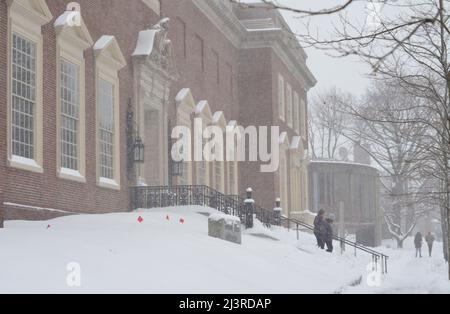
[
  {"x": 186, "y": 195},
  {"x": 378, "y": 259},
  {"x": 201, "y": 195}
]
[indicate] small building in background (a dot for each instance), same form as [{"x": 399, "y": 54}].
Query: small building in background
[{"x": 350, "y": 191}]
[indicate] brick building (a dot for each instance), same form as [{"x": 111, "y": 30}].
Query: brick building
[{"x": 66, "y": 91}]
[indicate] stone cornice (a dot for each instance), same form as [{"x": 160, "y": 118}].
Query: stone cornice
[
  {"x": 223, "y": 17},
  {"x": 284, "y": 47},
  {"x": 283, "y": 43}
]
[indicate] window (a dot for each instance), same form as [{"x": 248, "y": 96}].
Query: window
[
  {"x": 70, "y": 108},
  {"x": 200, "y": 52},
  {"x": 217, "y": 66},
  {"x": 303, "y": 118},
  {"x": 24, "y": 83},
  {"x": 109, "y": 60},
  {"x": 71, "y": 45},
  {"x": 296, "y": 113},
  {"x": 106, "y": 129},
  {"x": 182, "y": 32},
  {"x": 289, "y": 115},
  {"x": 281, "y": 98},
  {"x": 23, "y": 97}
]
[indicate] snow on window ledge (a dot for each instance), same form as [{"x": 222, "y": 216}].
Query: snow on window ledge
[
  {"x": 108, "y": 184},
  {"x": 25, "y": 164},
  {"x": 69, "y": 174}
]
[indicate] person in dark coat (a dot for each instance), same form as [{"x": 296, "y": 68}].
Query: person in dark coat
[
  {"x": 430, "y": 241},
  {"x": 317, "y": 222},
  {"x": 326, "y": 231},
  {"x": 418, "y": 241}
]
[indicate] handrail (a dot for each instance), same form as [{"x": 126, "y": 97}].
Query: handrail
[
  {"x": 376, "y": 256},
  {"x": 184, "y": 195}
]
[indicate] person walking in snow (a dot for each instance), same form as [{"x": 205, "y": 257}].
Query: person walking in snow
[
  {"x": 418, "y": 241},
  {"x": 430, "y": 241},
  {"x": 317, "y": 222},
  {"x": 326, "y": 231}
]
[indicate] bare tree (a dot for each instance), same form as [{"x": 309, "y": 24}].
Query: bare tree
[
  {"x": 398, "y": 148},
  {"x": 406, "y": 40},
  {"x": 326, "y": 124}
]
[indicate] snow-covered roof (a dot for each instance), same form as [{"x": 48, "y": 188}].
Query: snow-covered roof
[{"x": 339, "y": 162}]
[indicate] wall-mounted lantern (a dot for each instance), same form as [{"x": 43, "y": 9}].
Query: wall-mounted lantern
[{"x": 139, "y": 150}]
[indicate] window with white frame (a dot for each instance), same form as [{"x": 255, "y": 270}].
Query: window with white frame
[
  {"x": 23, "y": 97},
  {"x": 106, "y": 129},
  {"x": 70, "y": 113},
  {"x": 71, "y": 142},
  {"x": 109, "y": 61},
  {"x": 281, "y": 97},
  {"x": 289, "y": 115},
  {"x": 303, "y": 118},
  {"x": 25, "y": 83},
  {"x": 296, "y": 112}
]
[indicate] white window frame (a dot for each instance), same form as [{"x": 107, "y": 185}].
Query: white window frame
[
  {"x": 26, "y": 18},
  {"x": 113, "y": 183},
  {"x": 281, "y": 98},
  {"x": 296, "y": 113},
  {"x": 109, "y": 61},
  {"x": 289, "y": 114},
  {"x": 303, "y": 119},
  {"x": 71, "y": 45}
]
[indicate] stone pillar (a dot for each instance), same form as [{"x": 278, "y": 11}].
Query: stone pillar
[{"x": 249, "y": 209}]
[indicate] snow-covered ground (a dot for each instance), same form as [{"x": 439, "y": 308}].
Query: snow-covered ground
[{"x": 116, "y": 253}]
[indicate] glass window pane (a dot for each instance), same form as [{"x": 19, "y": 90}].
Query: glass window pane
[{"x": 23, "y": 98}]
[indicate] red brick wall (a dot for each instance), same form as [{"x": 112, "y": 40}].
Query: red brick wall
[
  {"x": 123, "y": 19},
  {"x": 202, "y": 81}
]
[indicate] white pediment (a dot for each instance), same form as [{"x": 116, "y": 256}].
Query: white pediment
[
  {"x": 35, "y": 10},
  {"x": 67, "y": 25},
  {"x": 107, "y": 49}
]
